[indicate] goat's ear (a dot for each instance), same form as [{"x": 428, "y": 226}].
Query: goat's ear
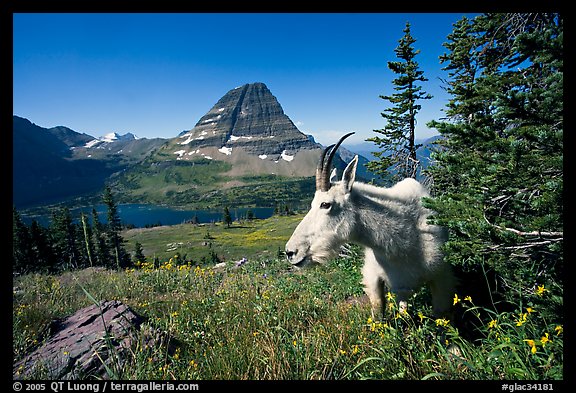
[
  {"x": 350, "y": 174},
  {"x": 333, "y": 176}
]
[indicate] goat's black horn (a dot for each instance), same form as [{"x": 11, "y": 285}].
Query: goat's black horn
[{"x": 325, "y": 164}]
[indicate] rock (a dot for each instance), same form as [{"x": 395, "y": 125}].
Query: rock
[
  {"x": 220, "y": 265},
  {"x": 84, "y": 344}
]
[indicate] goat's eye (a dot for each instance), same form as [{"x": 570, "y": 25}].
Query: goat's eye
[{"x": 325, "y": 205}]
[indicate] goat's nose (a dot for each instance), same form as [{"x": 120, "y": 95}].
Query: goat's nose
[{"x": 290, "y": 254}]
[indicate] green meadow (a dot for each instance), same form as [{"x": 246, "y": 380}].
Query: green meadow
[
  {"x": 266, "y": 320},
  {"x": 249, "y": 238}
]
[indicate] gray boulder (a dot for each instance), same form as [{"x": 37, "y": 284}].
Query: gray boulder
[{"x": 89, "y": 343}]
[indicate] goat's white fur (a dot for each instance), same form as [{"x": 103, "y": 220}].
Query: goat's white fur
[{"x": 402, "y": 251}]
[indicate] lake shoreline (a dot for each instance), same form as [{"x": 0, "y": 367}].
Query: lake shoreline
[{"x": 137, "y": 215}]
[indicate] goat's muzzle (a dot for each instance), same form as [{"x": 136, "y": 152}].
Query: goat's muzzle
[{"x": 296, "y": 259}]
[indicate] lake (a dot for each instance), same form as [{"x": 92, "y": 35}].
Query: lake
[{"x": 141, "y": 215}]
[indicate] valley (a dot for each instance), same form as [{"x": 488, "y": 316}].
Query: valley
[{"x": 244, "y": 152}]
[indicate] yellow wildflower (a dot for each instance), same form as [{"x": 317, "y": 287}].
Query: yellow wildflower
[
  {"x": 421, "y": 316},
  {"x": 540, "y": 290},
  {"x": 456, "y": 299},
  {"x": 545, "y": 339},
  {"x": 532, "y": 345},
  {"x": 522, "y": 317},
  {"x": 442, "y": 322},
  {"x": 492, "y": 324},
  {"x": 559, "y": 330},
  {"x": 529, "y": 310},
  {"x": 389, "y": 296},
  {"x": 355, "y": 349},
  {"x": 294, "y": 343},
  {"x": 468, "y": 298},
  {"x": 342, "y": 352}
]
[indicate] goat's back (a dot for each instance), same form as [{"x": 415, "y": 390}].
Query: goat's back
[{"x": 407, "y": 191}]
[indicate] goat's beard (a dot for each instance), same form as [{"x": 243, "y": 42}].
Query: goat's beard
[
  {"x": 324, "y": 253},
  {"x": 318, "y": 257}
]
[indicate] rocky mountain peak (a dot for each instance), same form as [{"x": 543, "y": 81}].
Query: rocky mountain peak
[{"x": 248, "y": 118}]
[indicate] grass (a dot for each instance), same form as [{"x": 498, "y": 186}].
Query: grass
[
  {"x": 264, "y": 320},
  {"x": 255, "y": 239},
  {"x": 204, "y": 184}
]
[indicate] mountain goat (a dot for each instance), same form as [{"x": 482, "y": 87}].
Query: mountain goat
[{"x": 402, "y": 251}]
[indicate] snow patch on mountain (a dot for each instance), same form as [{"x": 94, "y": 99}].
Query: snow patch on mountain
[
  {"x": 111, "y": 137},
  {"x": 225, "y": 150},
  {"x": 286, "y": 157}
]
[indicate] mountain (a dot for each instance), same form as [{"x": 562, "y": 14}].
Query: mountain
[
  {"x": 43, "y": 170},
  {"x": 245, "y": 151},
  {"x": 70, "y": 137},
  {"x": 247, "y": 118},
  {"x": 54, "y": 164},
  {"x": 248, "y": 129},
  {"x": 126, "y": 148},
  {"x": 111, "y": 137}
]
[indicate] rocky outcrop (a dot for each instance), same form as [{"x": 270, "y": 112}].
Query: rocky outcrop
[
  {"x": 89, "y": 343},
  {"x": 249, "y": 118}
]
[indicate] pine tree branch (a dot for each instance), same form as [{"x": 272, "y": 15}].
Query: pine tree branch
[
  {"x": 557, "y": 235},
  {"x": 525, "y": 245}
]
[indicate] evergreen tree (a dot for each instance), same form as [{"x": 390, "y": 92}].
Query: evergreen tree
[
  {"x": 139, "y": 253},
  {"x": 397, "y": 155},
  {"x": 498, "y": 173},
  {"x": 121, "y": 257},
  {"x": 22, "y": 256},
  {"x": 63, "y": 233},
  {"x": 43, "y": 254},
  {"x": 101, "y": 249},
  {"x": 227, "y": 217}
]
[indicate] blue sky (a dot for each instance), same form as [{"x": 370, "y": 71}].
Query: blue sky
[{"x": 155, "y": 75}]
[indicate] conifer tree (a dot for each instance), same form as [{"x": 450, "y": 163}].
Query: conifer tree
[
  {"x": 139, "y": 253},
  {"x": 41, "y": 248},
  {"x": 22, "y": 256},
  {"x": 397, "y": 154},
  {"x": 101, "y": 249},
  {"x": 227, "y": 217},
  {"x": 498, "y": 173},
  {"x": 121, "y": 257},
  {"x": 63, "y": 234}
]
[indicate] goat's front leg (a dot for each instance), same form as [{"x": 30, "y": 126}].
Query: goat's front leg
[{"x": 374, "y": 287}]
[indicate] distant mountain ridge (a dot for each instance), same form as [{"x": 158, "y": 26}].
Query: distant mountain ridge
[
  {"x": 245, "y": 151},
  {"x": 54, "y": 164},
  {"x": 43, "y": 169}
]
